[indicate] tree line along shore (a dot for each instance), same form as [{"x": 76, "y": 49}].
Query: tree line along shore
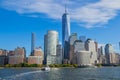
[{"x": 52, "y": 65}]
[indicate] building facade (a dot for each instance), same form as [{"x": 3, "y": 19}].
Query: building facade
[
  {"x": 37, "y": 57},
  {"x": 65, "y": 34},
  {"x": 32, "y": 43},
  {"x": 72, "y": 39},
  {"x": 91, "y": 46},
  {"x": 18, "y": 57},
  {"x": 109, "y": 50},
  {"x": 51, "y": 41},
  {"x": 3, "y": 57},
  {"x": 83, "y": 58},
  {"x": 59, "y": 54}
]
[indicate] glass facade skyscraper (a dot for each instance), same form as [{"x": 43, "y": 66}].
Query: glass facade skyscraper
[
  {"x": 32, "y": 43},
  {"x": 65, "y": 33},
  {"x": 65, "y": 27}
]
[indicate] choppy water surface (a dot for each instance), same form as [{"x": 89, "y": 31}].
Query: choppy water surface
[{"x": 107, "y": 73}]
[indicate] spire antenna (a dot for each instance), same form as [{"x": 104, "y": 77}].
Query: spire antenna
[{"x": 65, "y": 6}]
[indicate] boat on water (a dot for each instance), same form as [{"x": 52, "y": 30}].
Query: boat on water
[{"x": 45, "y": 68}]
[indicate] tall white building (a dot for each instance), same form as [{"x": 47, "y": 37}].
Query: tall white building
[
  {"x": 83, "y": 58},
  {"x": 51, "y": 41},
  {"x": 109, "y": 51},
  {"x": 79, "y": 46},
  {"x": 91, "y": 46}
]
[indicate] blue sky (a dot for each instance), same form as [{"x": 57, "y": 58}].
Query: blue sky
[{"x": 96, "y": 19}]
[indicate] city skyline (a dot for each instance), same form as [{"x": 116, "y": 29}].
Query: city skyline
[{"x": 17, "y": 22}]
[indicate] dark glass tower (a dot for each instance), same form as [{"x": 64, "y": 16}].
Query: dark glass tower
[{"x": 32, "y": 43}]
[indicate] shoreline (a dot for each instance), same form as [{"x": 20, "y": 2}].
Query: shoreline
[{"x": 61, "y": 67}]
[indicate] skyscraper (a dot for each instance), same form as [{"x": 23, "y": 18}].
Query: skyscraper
[
  {"x": 65, "y": 27},
  {"x": 65, "y": 33},
  {"x": 72, "y": 39},
  {"x": 91, "y": 46},
  {"x": 51, "y": 41},
  {"x": 108, "y": 51},
  {"x": 32, "y": 43}
]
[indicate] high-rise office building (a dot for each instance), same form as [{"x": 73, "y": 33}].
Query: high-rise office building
[
  {"x": 83, "y": 58},
  {"x": 101, "y": 56},
  {"x": 72, "y": 39},
  {"x": 59, "y": 54},
  {"x": 91, "y": 46},
  {"x": 65, "y": 33},
  {"x": 109, "y": 51},
  {"x": 51, "y": 41},
  {"x": 3, "y": 57},
  {"x": 32, "y": 43},
  {"x": 79, "y": 46},
  {"x": 65, "y": 27}
]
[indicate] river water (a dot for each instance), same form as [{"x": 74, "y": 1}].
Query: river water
[{"x": 106, "y": 73}]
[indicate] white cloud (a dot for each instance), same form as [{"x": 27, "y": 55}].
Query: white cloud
[{"x": 89, "y": 14}]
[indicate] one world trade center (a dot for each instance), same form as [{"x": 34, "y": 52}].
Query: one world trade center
[{"x": 65, "y": 33}]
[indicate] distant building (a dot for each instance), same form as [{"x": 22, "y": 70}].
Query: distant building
[
  {"x": 91, "y": 46},
  {"x": 51, "y": 41},
  {"x": 3, "y": 57},
  {"x": 38, "y": 52},
  {"x": 78, "y": 46},
  {"x": 3, "y": 52},
  {"x": 65, "y": 34},
  {"x": 83, "y": 58},
  {"x": 101, "y": 55},
  {"x": 35, "y": 60},
  {"x": 72, "y": 39},
  {"x": 37, "y": 57},
  {"x": 96, "y": 47},
  {"x": 109, "y": 52},
  {"x": 18, "y": 57},
  {"x": 59, "y": 54},
  {"x": 32, "y": 43},
  {"x": 11, "y": 53},
  {"x": 45, "y": 49},
  {"x": 65, "y": 27}
]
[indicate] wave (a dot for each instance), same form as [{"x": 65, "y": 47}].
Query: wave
[{"x": 13, "y": 77}]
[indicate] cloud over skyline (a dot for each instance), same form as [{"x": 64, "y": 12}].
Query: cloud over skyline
[{"x": 86, "y": 13}]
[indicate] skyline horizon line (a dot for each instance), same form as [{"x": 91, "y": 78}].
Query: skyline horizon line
[{"x": 42, "y": 47}]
